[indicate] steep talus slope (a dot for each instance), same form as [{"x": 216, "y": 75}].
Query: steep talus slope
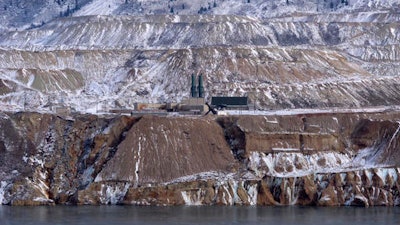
[
  {"x": 304, "y": 159},
  {"x": 159, "y": 150}
]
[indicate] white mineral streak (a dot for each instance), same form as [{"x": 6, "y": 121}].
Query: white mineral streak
[
  {"x": 186, "y": 198},
  {"x": 297, "y": 164},
  {"x": 325, "y": 198},
  {"x": 227, "y": 197},
  {"x": 253, "y": 193},
  {"x": 234, "y": 185},
  {"x": 392, "y": 173},
  {"x": 350, "y": 200},
  {"x": 40, "y": 182},
  {"x": 226, "y": 192},
  {"x": 368, "y": 174},
  {"x": 87, "y": 175},
  {"x": 3, "y": 185},
  {"x": 113, "y": 194},
  {"x": 309, "y": 164},
  {"x": 394, "y": 136},
  {"x": 138, "y": 161},
  {"x": 192, "y": 197}
]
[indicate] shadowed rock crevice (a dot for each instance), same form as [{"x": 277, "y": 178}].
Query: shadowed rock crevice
[
  {"x": 97, "y": 151},
  {"x": 382, "y": 137},
  {"x": 234, "y": 136},
  {"x": 331, "y": 35}
]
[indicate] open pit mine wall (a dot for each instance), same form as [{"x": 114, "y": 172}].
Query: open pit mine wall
[
  {"x": 311, "y": 159},
  {"x": 99, "y": 63}
]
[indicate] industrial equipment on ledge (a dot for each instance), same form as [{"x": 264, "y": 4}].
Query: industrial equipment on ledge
[{"x": 195, "y": 104}]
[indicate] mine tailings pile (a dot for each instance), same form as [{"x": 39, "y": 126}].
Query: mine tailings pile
[{"x": 330, "y": 159}]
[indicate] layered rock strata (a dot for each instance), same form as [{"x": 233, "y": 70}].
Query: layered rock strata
[
  {"x": 108, "y": 62},
  {"x": 305, "y": 159}
]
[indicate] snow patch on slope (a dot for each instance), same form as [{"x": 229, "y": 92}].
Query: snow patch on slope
[
  {"x": 99, "y": 7},
  {"x": 208, "y": 175}
]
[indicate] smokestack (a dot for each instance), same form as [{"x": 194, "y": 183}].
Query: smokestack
[
  {"x": 201, "y": 88},
  {"x": 193, "y": 89}
]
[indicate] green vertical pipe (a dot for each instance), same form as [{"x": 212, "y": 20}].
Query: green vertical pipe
[
  {"x": 193, "y": 88},
  {"x": 201, "y": 88}
]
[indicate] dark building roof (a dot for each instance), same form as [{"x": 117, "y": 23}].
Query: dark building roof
[{"x": 229, "y": 101}]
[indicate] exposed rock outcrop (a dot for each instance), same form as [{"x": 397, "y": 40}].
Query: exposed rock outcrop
[{"x": 308, "y": 159}]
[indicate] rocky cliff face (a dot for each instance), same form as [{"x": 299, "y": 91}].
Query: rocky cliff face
[
  {"x": 305, "y": 159},
  {"x": 95, "y": 56}
]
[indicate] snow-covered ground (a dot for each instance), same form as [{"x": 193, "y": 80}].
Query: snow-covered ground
[
  {"x": 99, "y": 7},
  {"x": 254, "y": 8},
  {"x": 376, "y": 109},
  {"x": 25, "y": 14}
]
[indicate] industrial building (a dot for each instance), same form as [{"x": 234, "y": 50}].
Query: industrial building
[
  {"x": 194, "y": 105},
  {"x": 230, "y": 103}
]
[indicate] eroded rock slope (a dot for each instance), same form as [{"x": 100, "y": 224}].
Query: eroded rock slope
[
  {"x": 97, "y": 63},
  {"x": 305, "y": 159}
]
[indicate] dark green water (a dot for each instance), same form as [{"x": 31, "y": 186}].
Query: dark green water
[{"x": 213, "y": 215}]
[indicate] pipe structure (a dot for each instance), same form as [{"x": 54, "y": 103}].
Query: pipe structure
[
  {"x": 201, "y": 88},
  {"x": 193, "y": 88}
]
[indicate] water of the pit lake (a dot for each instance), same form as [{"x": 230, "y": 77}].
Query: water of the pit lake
[{"x": 208, "y": 215}]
